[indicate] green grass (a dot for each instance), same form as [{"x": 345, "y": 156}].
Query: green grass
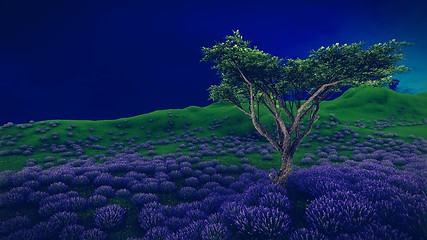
[
  {"x": 366, "y": 104},
  {"x": 375, "y": 103}
]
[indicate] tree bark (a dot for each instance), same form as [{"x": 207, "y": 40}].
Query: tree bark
[{"x": 285, "y": 170}]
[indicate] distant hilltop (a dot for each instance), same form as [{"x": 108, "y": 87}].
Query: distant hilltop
[{"x": 333, "y": 95}]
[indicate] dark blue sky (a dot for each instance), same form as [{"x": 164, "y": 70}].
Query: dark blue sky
[{"x": 111, "y": 59}]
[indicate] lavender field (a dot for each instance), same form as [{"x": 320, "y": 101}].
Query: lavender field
[{"x": 352, "y": 180}]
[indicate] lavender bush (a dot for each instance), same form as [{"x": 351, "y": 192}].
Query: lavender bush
[
  {"x": 109, "y": 217},
  {"x": 372, "y": 194},
  {"x": 339, "y": 212}
]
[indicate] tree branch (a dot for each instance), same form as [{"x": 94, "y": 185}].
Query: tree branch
[
  {"x": 279, "y": 135},
  {"x": 271, "y": 106},
  {"x": 284, "y": 106},
  {"x": 263, "y": 131},
  {"x": 308, "y": 129},
  {"x": 241, "y": 109},
  {"x": 309, "y": 100},
  {"x": 307, "y": 111},
  {"x": 312, "y": 118}
]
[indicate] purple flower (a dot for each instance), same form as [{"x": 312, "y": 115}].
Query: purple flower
[
  {"x": 408, "y": 182},
  {"x": 238, "y": 186},
  {"x": 261, "y": 222},
  {"x": 359, "y": 157},
  {"x": 253, "y": 194},
  {"x": 195, "y": 214},
  {"x": 271, "y": 223},
  {"x": 174, "y": 223},
  {"x": 221, "y": 169},
  {"x": 12, "y": 199},
  {"x": 226, "y": 181},
  {"x": 190, "y": 232},
  {"x": 94, "y": 234},
  {"x": 339, "y": 212},
  {"x": 14, "y": 224},
  {"x": 47, "y": 230},
  {"x": 106, "y": 191},
  {"x": 317, "y": 181},
  {"x": 211, "y": 204},
  {"x": 160, "y": 175},
  {"x": 191, "y": 182},
  {"x": 150, "y": 186},
  {"x": 188, "y": 194},
  {"x": 80, "y": 181},
  {"x": 174, "y": 175},
  {"x": 76, "y": 203},
  {"x": 377, "y": 232},
  {"x": 376, "y": 190},
  {"x": 123, "y": 193},
  {"x": 276, "y": 200},
  {"x": 186, "y": 171},
  {"x": 103, "y": 179},
  {"x": 136, "y": 186},
  {"x": 140, "y": 199},
  {"x": 91, "y": 175},
  {"x": 248, "y": 168},
  {"x": 220, "y": 190},
  {"x": 64, "y": 218},
  {"x": 109, "y": 217},
  {"x": 214, "y": 219},
  {"x": 51, "y": 208},
  {"x": 167, "y": 187},
  {"x": 240, "y": 153},
  {"x": 71, "y": 232},
  {"x": 157, "y": 233},
  {"x": 119, "y": 182},
  {"x": 27, "y": 234},
  {"x": 307, "y": 234},
  {"x": 58, "y": 187},
  {"x": 180, "y": 209},
  {"x": 33, "y": 184},
  {"x": 211, "y": 185},
  {"x": 149, "y": 218},
  {"x": 209, "y": 170},
  {"x": 411, "y": 216},
  {"x": 307, "y": 161},
  {"x": 215, "y": 231},
  {"x": 97, "y": 201}
]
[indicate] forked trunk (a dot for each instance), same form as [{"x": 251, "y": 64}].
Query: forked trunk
[{"x": 285, "y": 170}]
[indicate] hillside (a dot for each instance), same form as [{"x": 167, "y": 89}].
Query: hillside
[{"x": 364, "y": 110}]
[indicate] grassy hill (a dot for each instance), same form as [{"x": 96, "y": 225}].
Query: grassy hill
[
  {"x": 364, "y": 110},
  {"x": 405, "y": 112}
]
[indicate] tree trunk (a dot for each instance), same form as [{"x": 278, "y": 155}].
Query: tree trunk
[{"x": 285, "y": 170}]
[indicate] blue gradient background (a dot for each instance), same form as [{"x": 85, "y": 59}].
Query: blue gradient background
[{"x": 111, "y": 59}]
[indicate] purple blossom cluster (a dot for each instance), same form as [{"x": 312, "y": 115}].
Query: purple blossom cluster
[
  {"x": 176, "y": 196},
  {"x": 60, "y": 193},
  {"x": 350, "y": 198},
  {"x": 109, "y": 217}
]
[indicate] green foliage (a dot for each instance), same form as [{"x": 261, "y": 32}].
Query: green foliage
[
  {"x": 348, "y": 65},
  {"x": 236, "y": 54}
]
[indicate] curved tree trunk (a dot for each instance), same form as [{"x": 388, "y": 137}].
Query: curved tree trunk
[{"x": 285, "y": 170}]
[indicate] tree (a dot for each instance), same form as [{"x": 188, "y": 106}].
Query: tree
[{"x": 251, "y": 77}]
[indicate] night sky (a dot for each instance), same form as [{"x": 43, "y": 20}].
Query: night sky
[{"x": 112, "y": 59}]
